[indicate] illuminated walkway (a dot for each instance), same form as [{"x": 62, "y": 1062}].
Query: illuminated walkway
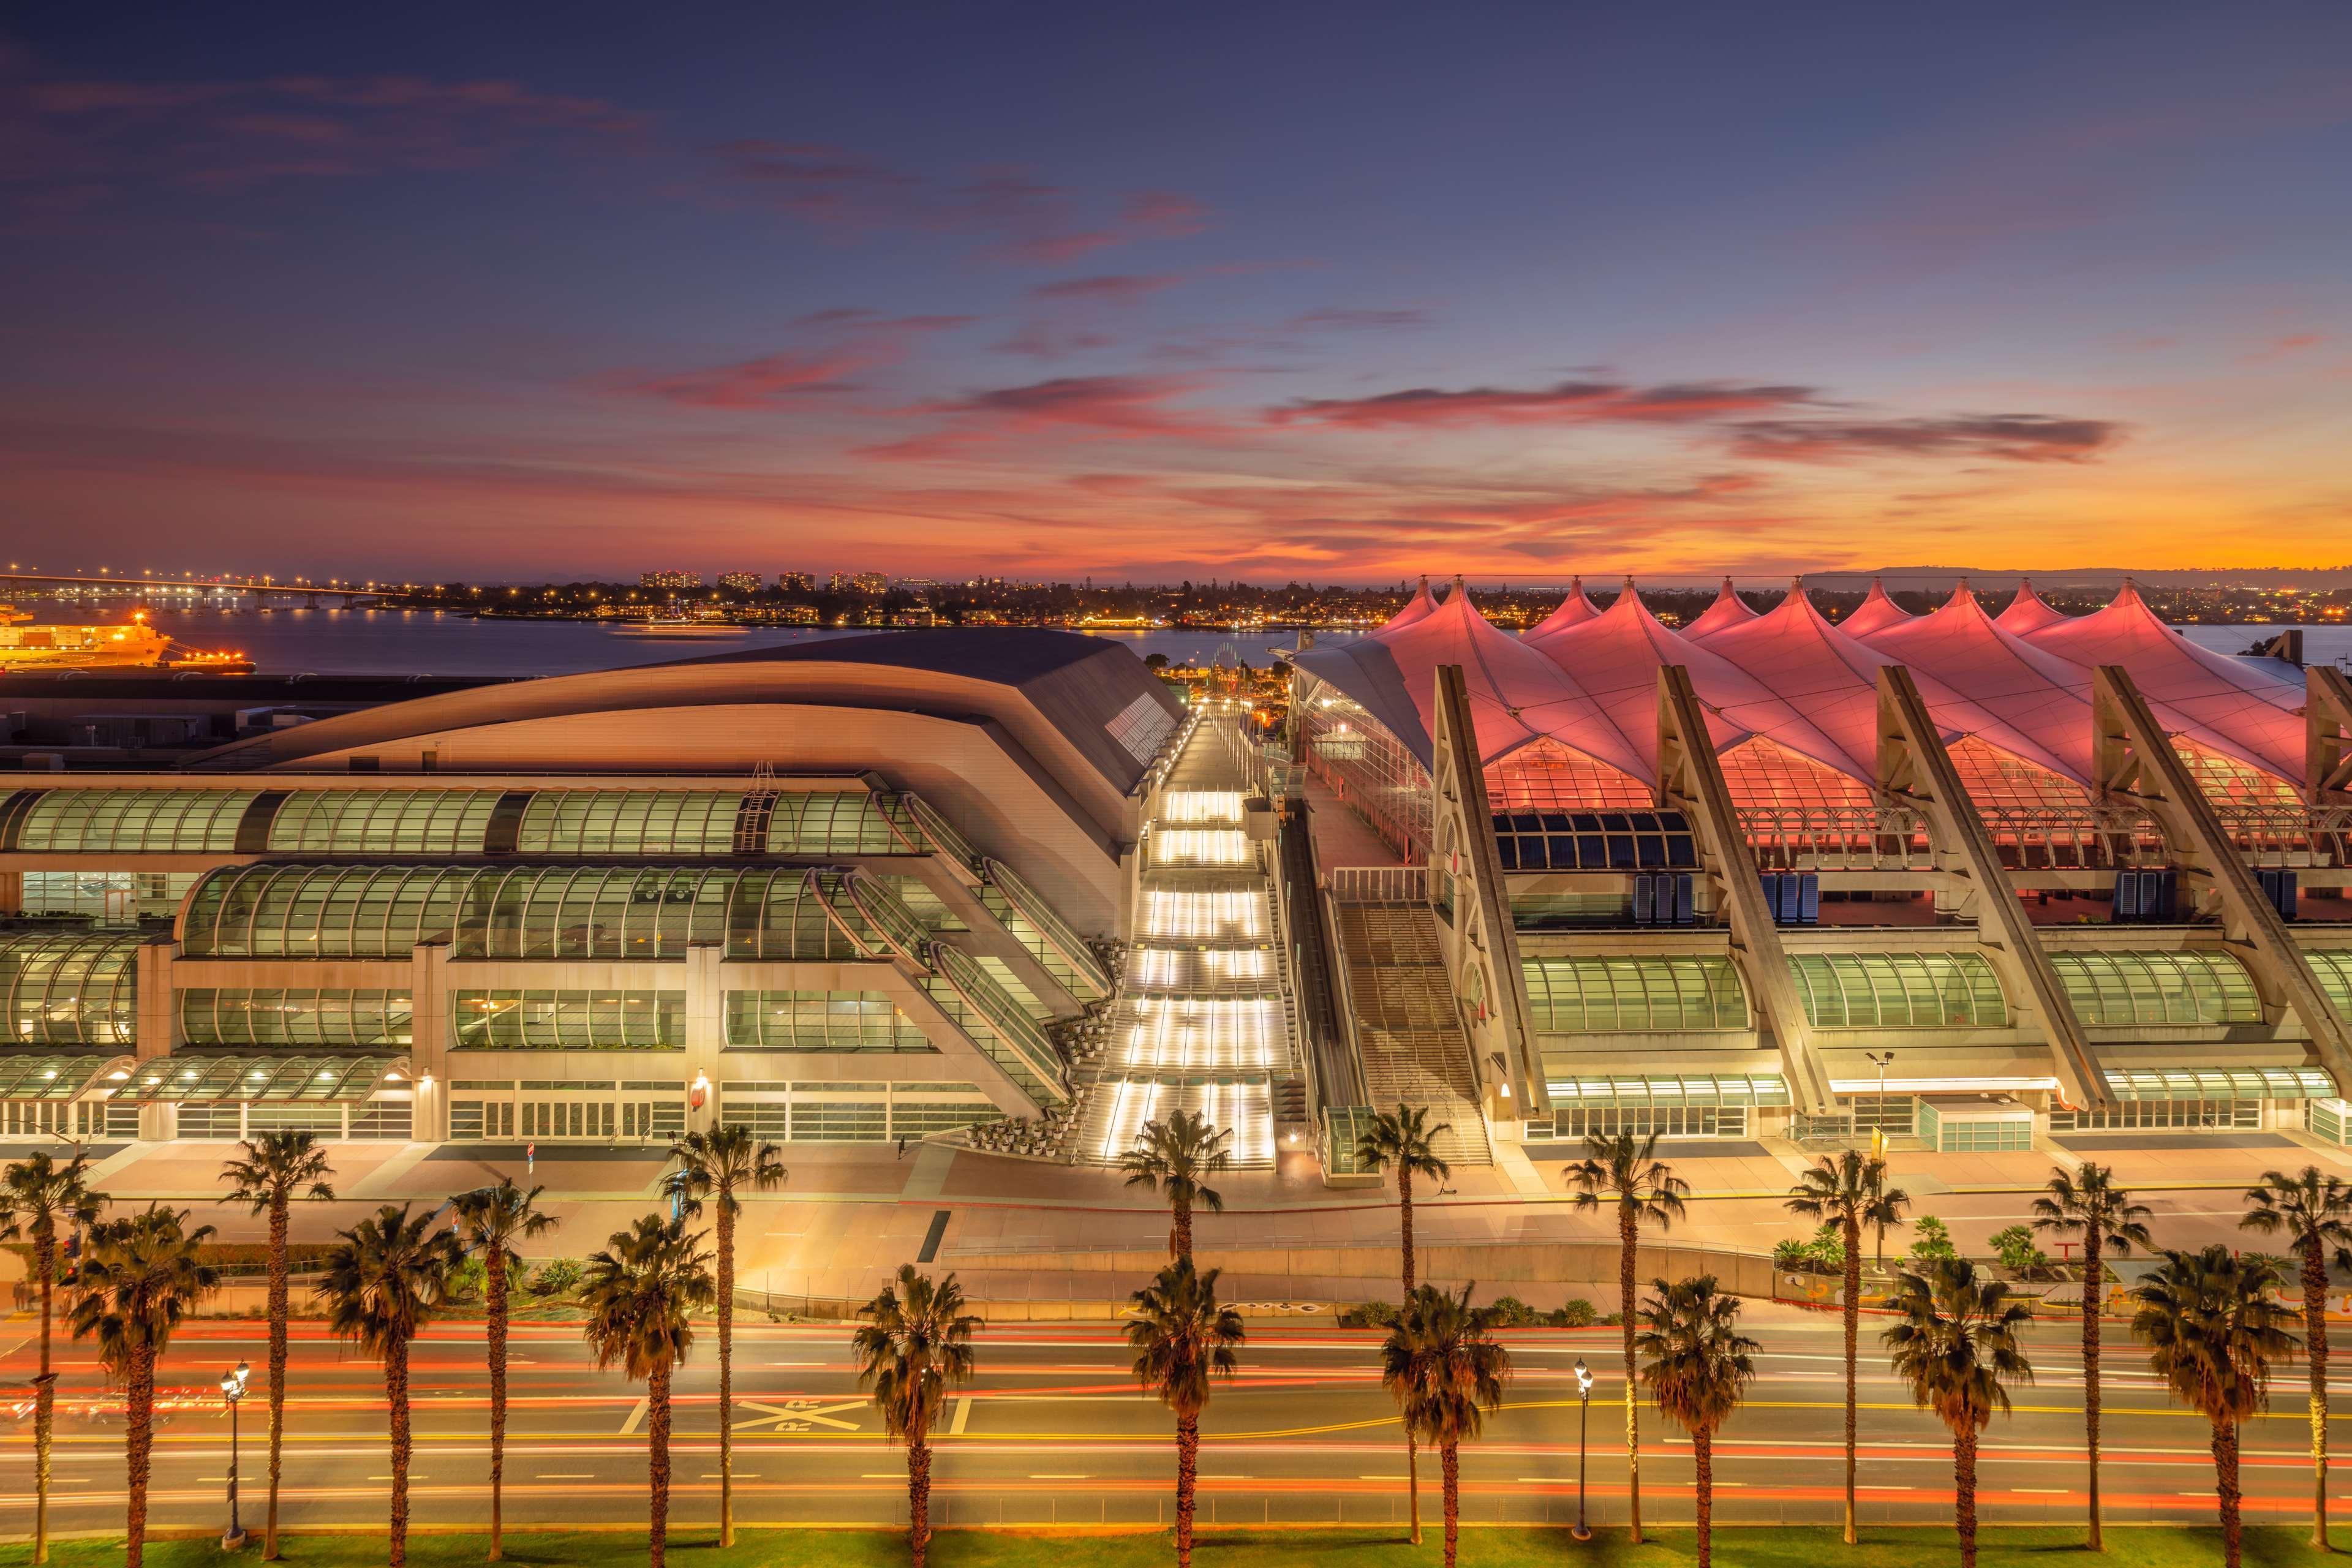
[{"x": 1203, "y": 1018}]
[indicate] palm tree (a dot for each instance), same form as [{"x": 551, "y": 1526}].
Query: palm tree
[
  {"x": 386, "y": 1276},
  {"x": 1957, "y": 1347},
  {"x": 1183, "y": 1340},
  {"x": 2103, "y": 1217},
  {"x": 142, "y": 1276},
  {"x": 1697, "y": 1364},
  {"x": 722, "y": 1164},
  {"x": 1173, "y": 1156},
  {"x": 2212, "y": 1333},
  {"x": 641, "y": 1293},
  {"x": 36, "y": 1196},
  {"x": 276, "y": 1168},
  {"x": 1406, "y": 1142},
  {"x": 1621, "y": 1170},
  {"x": 2313, "y": 1211},
  {"x": 491, "y": 1220},
  {"x": 1849, "y": 1192},
  {"x": 915, "y": 1342},
  {"x": 1446, "y": 1369}
]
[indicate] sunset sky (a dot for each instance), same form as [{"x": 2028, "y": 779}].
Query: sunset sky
[{"x": 1267, "y": 290}]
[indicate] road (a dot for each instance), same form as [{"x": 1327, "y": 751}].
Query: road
[{"x": 1052, "y": 1431}]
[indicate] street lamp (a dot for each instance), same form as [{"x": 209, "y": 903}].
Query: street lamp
[
  {"x": 1583, "y": 1424},
  {"x": 1879, "y": 1059},
  {"x": 232, "y": 1387}
]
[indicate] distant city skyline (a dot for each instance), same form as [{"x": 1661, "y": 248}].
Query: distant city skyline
[{"x": 1333, "y": 293}]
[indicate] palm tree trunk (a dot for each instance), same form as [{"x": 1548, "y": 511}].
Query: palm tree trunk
[
  {"x": 1411, "y": 1448},
  {"x": 726, "y": 1375},
  {"x": 1449, "y": 1458},
  {"x": 45, "y": 1393},
  {"x": 278, "y": 1314},
  {"x": 919, "y": 1500},
  {"x": 1180, "y": 1234},
  {"x": 2094, "y": 1273},
  {"x": 1964, "y": 1492},
  {"x": 1703, "y": 1457},
  {"x": 495, "y": 1290},
  {"x": 1853, "y": 1330},
  {"x": 395, "y": 1394},
  {"x": 657, "y": 1459},
  {"x": 138, "y": 1452},
  {"x": 1187, "y": 1456},
  {"x": 2314, "y": 1328},
  {"x": 2225, "y": 1476},
  {"x": 1628, "y": 1239}
]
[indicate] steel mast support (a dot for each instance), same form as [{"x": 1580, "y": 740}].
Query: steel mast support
[
  {"x": 1915, "y": 768},
  {"x": 1690, "y": 780},
  {"x": 2135, "y": 761}
]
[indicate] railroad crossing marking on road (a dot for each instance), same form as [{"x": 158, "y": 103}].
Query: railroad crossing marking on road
[{"x": 797, "y": 1416}]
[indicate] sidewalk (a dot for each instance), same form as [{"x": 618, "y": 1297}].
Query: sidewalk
[{"x": 1024, "y": 1231}]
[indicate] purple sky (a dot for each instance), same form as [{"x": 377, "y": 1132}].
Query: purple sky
[{"x": 1338, "y": 292}]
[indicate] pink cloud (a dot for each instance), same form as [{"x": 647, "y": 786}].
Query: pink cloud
[
  {"x": 2009, "y": 437},
  {"x": 864, "y": 341},
  {"x": 1116, "y": 288},
  {"x": 1568, "y": 401}
]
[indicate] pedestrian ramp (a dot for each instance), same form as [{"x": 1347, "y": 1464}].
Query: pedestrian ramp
[{"x": 1408, "y": 1026}]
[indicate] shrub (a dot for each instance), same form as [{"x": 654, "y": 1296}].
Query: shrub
[
  {"x": 1371, "y": 1314},
  {"x": 1576, "y": 1313},
  {"x": 1514, "y": 1313},
  {"x": 468, "y": 1280},
  {"x": 555, "y": 1277},
  {"x": 1935, "y": 1240},
  {"x": 2018, "y": 1253}
]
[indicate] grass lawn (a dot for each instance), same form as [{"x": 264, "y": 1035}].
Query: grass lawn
[{"x": 2133, "y": 1547}]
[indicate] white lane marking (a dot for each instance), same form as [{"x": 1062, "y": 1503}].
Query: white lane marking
[
  {"x": 564, "y": 1475},
  {"x": 636, "y": 1415}
]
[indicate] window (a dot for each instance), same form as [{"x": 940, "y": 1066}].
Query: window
[
  {"x": 569, "y": 1020},
  {"x": 115, "y": 898},
  {"x": 1578, "y": 1121},
  {"x": 347, "y": 1019},
  {"x": 2136, "y": 1115},
  {"x": 568, "y": 1118},
  {"x": 2116, "y": 990},
  {"x": 1594, "y": 841},
  {"x": 483, "y": 1119},
  {"x": 629, "y": 822},
  {"x": 1611, "y": 995},
  {"x": 819, "y": 1021},
  {"x": 1899, "y": 990},
  {"x": 383, "y": 821},
  {"x": 833, "y": 823}
]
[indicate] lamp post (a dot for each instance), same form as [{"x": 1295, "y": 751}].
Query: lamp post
[
  {"x": 232, "y": 1387},
  {"x": 1583, "y": 1424},
  {"x": 1879, "y": 1059}
]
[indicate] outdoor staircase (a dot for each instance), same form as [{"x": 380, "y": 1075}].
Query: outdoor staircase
[{"x": 1408, "y": 1026}]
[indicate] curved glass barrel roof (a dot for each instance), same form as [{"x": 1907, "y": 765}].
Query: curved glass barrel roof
[
  {"x": 544, "y": 912},
  {"x": 2334, "y": 968},
  {"x": 631, "y": 822},
  {"x": 1899, "y": 990},
  {"x": 329, "y": 1019},
  {"x": 382, "y": 821},
  {"x": 137, "y": 820},
  {"x": 2117, "y": 990},
  {"x": 1664, "y": 995},
  {"x": 69, "y": 990},
  {"x": 200, "y": 1077},
  {"x": 46, "y": 1075}
]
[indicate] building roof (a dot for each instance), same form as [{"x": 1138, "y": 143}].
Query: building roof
[
  {"x": 2028, "y": 613},
  {"x": 1420, "y": 605},
  {"x": 1590, "y": 682},
  {"x": 1574, "y": 611},
  {"x": 1728, "y": 610}
]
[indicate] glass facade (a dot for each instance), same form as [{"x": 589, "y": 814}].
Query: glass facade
[
  {"x": 543, "y": 912},
  {"x": 852, "y": 1112},
  {"x": 69, "y": 990},
  {"x": 1627, "y": 995},
  {"x": 819, "y": 1021},
  {"x": 2114, "y": 990},
  {"x": 139, "y": 821},
  {"x": 1369, "y": 768},
  {"x": 569, "y": 1020},
  {"x": 1899, "y": 991},
  {"x": 383, "y": 821},
  {"x": 1036, "y": 925},
  {"x": 592, "y": 822},
  {"x": 2334, "y": 972},
  {"x": 112, "y": 898},
  {"x": 336, "y": 1019}
]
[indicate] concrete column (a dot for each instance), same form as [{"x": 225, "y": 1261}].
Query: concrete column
[
  {"x": 11, "y": 891},
  {"x": 159, "y": 1021},
  {"x": 429, "y": 1049},
  {"x": 706, "y": 1030}
]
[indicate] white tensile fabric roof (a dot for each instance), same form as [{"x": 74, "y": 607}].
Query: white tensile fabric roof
[
  {"x": 1587, "y": 678},
  {"x": 2028, "y": 613},
  {"x": 1728, "y": 610}
]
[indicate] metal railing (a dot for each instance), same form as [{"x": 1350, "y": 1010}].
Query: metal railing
[{"x": 1377, "y": 884}]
